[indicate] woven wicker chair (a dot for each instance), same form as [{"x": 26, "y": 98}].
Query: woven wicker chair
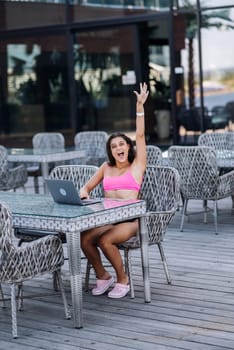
[
  {"x": 11, "y": 178},
  {"x": 40, "y": 141},
  {"x": 200, "y": 179},
  {"x": 154, "y": 155},
  {"x": 94, "y": 145},
  {"x": 223, "y": 144},
  {"x": 79, "y": 174},
  {"x": 220, "y": 141},
  {"x": 18, "y": 264},
  {"x": 160, "y": 190}
]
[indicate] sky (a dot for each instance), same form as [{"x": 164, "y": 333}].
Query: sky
[{"x": 217, "y": 48}]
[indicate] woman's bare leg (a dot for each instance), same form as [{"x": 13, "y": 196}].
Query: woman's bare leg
[
  {"x": 89, "y": 246},
  {"x": 107, "y": 242}
]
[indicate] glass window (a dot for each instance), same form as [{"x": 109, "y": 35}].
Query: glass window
[
  {"x": 217, "y": 32},
  {"x": 205, "y": 3},
  {"x": 218, "y": 64},
  {"x": 95, "y": 10},
  {"x": 35, "y": 87},
  {"x": 105, "y": 78},
  {"x": 45, "y": 1},
  {"x": 125, "y": 3}
]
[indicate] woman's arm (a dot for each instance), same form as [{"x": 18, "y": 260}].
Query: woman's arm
[
  {"x": 140, "y": 125},
  {"x": 93, "y": 182}
]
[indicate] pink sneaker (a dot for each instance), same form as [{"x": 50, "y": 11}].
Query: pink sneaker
[
  {"x": 102, "y": 286},
  {"x": 119, "y": 291}
]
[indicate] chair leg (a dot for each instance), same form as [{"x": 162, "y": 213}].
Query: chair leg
[
  {"x": 13, "y": 312},
  {"x": 183, "y": 214},
  {"x": 61, "y": 288},
  {"x": 36, "y": 184},
  {"x": 87, "y": 275},
  {"x": 205, "y": 206},
  {"x": 2, "y": 297},
  {"x": 55, "y": 281},
  {"x": 128, "y": 270},
  {"x": 20, "y": 297},
  {"x": 164, "y": 261},
  {"x": 216, "y": 217}
]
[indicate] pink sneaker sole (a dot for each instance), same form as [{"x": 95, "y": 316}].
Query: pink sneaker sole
[
  {"x": 119, "y": 291},
  {"x": 102, "y": 286}
]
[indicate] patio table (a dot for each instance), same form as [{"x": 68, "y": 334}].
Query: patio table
[
  {"x": 40, "y": 212},
  {"x": 225, "y": 158},
  {"x": 43, "y": 157}
]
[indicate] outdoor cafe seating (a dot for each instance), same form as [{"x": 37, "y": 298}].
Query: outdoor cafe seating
[
  {"x": 19, "y": 264},
  {"x": 200, "y": 178},
  {"x": 161, "y": 191},
  {"x": 222, "y": 142},
  {"x": 44, "y": 140},
  {"x": 94, "y": 145},
  {"x": 11, "y": 178},
  {"x": 154, "y": 155}
]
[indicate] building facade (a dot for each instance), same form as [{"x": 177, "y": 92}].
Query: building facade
[{"x": 72, "y": 65}]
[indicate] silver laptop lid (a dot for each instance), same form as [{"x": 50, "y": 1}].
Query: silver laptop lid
[{"x": 65, "y": 192}]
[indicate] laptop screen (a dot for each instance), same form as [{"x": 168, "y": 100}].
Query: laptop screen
[{"x": 65, "y": 192}]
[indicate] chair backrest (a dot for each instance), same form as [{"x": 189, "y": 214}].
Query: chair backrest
[
  {"x": 93, "y": 142},
  {"x": 6, "y": 242},
  {"x": 3, "y": 160},
  {"x": 79, "y": 174},
  {"x": 221, "y": 142},
  {"x": 160, "y": 188},
  {"x": 48, "y": 140},
  {"x": 216, "y": 140},
  {"x": 197, "y": 166},
  {"x": 161, "y": 191},
  {"x": 154, "y": 155}
]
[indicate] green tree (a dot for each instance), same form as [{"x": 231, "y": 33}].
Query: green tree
[{"x": 209, "y": 18}]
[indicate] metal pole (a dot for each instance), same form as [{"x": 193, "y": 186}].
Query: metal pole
[
  {"x": 172, "y": 76},
  {"x": 200, "y": 65}
]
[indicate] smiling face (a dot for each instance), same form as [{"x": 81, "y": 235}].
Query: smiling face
[{"x": 119, "y": 149}]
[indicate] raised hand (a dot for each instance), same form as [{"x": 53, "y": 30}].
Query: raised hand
[{"x": 143, "y": 94}]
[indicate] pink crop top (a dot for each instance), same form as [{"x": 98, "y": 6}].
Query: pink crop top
[{"x": 122, "y": 182}]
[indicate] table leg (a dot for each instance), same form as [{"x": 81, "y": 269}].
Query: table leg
[
  {"x": 45, "y": 174},
  {"x": 74, "y": 258},
  {"x": 145, "y": 259}
]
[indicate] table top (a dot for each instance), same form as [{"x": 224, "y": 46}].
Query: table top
[
  {"x": 43, "y": 155},
  {"x": 37, "y": 205}
]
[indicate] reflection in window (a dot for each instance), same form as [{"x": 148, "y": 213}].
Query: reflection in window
[
  {"x": 159, "y": 68},
  {"x": 45, "y": 1},
  {"x": 104, "y": 69},
  {"x": 125, "y": 3},
  {"x": 205, "y": 3},
  {"x": 37, "y": 86}
]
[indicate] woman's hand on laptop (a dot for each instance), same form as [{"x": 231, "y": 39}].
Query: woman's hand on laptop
[{"x": 84, "y": 193}]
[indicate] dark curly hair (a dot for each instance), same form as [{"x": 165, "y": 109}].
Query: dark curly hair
[{"x": 131, "y": 152}]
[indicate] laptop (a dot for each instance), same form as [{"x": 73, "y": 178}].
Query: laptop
[{"x": 65, "y": 192}]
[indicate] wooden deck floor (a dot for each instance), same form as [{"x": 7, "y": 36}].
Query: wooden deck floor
[{"x": 195, "y": 312}]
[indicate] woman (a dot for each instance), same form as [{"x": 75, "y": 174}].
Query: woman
[{"x": 122, "y": 177}]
